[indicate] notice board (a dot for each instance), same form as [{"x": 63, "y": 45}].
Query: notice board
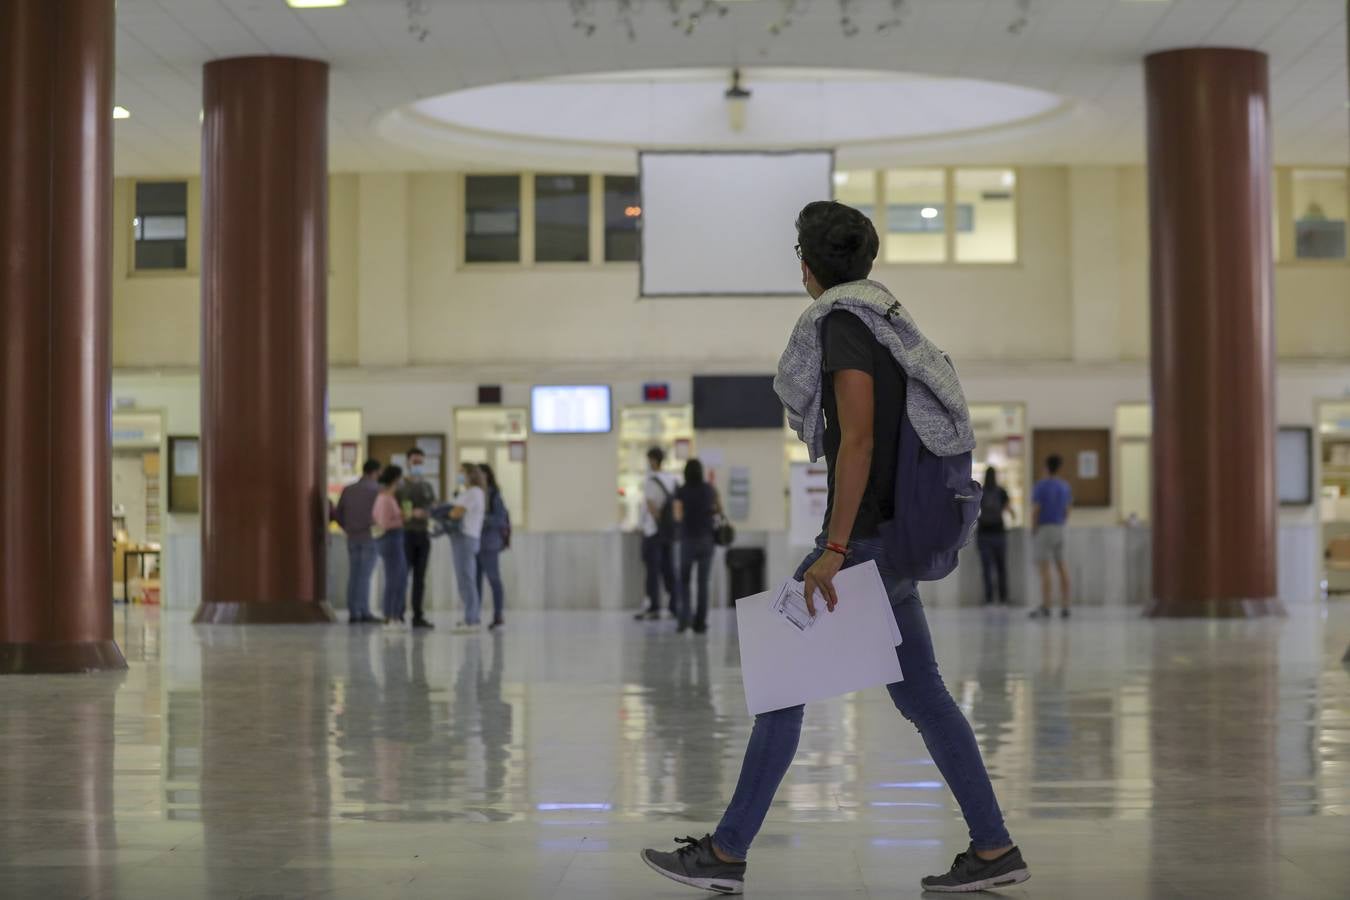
[{"x": 1087, "y": 461}]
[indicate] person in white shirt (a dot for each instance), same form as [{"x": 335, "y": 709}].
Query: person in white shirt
[
  {"x": 468, "y": 508},
  {"x": 657, "y": 517}
]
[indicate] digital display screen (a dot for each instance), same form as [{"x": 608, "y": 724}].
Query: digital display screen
[
  {"x": 570, "y": 409},
  {"x": 736, "y": 401}
]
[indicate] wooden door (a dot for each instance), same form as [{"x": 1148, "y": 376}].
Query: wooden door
[{"x": 1087, "y": 461}]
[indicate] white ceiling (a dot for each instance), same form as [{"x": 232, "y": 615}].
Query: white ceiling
[{"x": 1088, "y": 51}]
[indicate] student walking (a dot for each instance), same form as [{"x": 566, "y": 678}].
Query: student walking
[
  {"x": 857, "y": 356},
  {"x": 1052, "y": 500},
  {"x": 657, "y": 516},
  {"x": 389, "y": 520},
  {"x": 469, "y": 508},
  {"x": 697, "y": 507},
  {"x": 355, "y": 514},
  {"x": 992, "y": 537},
  {"x": 495, "y": 540}
]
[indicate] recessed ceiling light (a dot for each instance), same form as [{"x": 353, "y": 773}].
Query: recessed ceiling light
[
  {"x": 121, "y": 112},
  {"x": 314, "y": 4},
  {"x": 929, "y": 212}
]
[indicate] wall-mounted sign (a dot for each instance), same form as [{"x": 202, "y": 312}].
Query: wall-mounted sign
[
  {"x": 1089, "y": 465},
  {"x": 656, "y": 392}
]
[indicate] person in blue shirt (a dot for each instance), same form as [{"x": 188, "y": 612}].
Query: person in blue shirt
[{"x": 1052, "y": 500}]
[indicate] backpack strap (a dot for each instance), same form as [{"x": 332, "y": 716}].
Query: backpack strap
[{"x": 662, "y": 485}]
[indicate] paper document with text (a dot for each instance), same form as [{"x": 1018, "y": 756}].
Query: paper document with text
[{"x": 789, "y": 658}]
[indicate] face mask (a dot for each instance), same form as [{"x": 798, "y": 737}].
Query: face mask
[
  {"x": 461, "y": 480},
  {"x": 415, "y": 469}
]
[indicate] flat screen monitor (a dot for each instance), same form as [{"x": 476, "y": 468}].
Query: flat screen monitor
[
  {"x": 736, "y": 401},
  {"x": 570, "y": 409}
]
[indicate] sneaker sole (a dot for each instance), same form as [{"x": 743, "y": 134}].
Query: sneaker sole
[
  {"x": 1007, "y": 879},
  {"x": 713, "y": 885}
]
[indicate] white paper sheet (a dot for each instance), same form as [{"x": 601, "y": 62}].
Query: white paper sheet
[{"x": 842, "y": 651}]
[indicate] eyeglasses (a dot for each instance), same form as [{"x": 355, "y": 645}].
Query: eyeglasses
[{"x": 798, "y": 249}]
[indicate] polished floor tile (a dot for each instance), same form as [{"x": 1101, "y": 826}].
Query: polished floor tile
[{"x": 1134, "y": 759}]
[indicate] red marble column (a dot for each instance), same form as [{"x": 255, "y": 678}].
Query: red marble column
[
  {"x": 1213, "y": 344},
  {"x": 56, "y": 74},
  {"x": 264, "y": 345}
]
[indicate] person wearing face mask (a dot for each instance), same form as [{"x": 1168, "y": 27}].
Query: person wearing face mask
[
  {"x": 416, "y": 497},
  {"x": 469, "y": 508}
]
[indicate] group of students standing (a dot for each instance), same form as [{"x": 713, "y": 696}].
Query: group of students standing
[
  {"x": 388, "y": 516},
  {"x": 681, "y": 517}
]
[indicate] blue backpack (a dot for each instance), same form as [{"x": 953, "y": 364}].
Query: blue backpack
[{"x": 937, "y": 506}]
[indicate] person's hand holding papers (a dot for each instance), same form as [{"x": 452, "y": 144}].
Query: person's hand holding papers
[{"x": 820, "y": 578}]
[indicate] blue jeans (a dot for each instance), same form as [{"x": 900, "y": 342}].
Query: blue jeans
[
  {"x": 490, "y": 568},
  {"x": 465, "y": 552},
  {"x": 658, "y": 558},
  {"x": 361, "y": 559},
  {"x": 921, "y": 697},
  {"x": 695, "y": 553},
  {"x": 395, "y": 573}
]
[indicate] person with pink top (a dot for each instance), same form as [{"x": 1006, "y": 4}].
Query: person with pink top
[{"x": 389, "y": 521}]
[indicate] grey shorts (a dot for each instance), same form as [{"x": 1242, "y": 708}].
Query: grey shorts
[{"x": 1049, "y": 544}]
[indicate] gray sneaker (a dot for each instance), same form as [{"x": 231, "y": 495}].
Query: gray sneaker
[
  {"x": 696, "y": 865},
  {"x": 969, "y": 873}
]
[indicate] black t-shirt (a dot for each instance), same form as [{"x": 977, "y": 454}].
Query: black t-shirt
[
  {"x": 699, "y": 503},
  {"x": 849, "y": 344},
  {"x": 992, "y": 506}
]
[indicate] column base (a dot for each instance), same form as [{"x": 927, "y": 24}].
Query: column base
[
  {"x": 60, "y": 657},
  {"x": 263, "y": 614},
  {"x": 1228, "y": 608}
]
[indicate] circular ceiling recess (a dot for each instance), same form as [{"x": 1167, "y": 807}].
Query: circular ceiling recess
[{"x": 598, "y": 115}]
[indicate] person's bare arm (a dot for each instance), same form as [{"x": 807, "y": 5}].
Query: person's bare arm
[
  {"x": 678, "y": 510},
  {"x": 853, "y": 391}
]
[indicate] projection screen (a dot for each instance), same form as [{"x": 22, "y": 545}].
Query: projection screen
[{"x": 721, "y": 223}]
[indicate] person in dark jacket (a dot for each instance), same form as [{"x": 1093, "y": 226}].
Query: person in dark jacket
[
  {"x": 355, "y": 513},
  {"x": 496, "y": 538},
  {"x": 993, "y": 537},
  {"x": 696, "y": 510}
]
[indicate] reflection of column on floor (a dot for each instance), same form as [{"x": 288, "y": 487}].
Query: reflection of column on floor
[
  {"x": 265, "y": 792},
  {"x": 59, "y": 761},
  {"x": 1214, "y": 715}
]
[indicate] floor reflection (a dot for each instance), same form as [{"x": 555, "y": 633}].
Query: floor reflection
[
  {"x": 368, "y": 762},
  {"x": 265, "y": 791}
]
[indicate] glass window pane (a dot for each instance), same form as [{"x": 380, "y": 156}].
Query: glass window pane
[
  {"x": 562, "y": 218},
  {"x": 1319, "y": 200},
  {"x": 492, "y": 218},
  {"x": 914, "y": 221},
  {"x": 858, "y": 189},
  {"x": 623, "y": 218},
  {"x": 161, "y": 225},
  {"x": 987, "y": 224}
]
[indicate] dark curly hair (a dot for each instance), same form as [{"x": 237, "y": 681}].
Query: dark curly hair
[{"x": 838, "y": 243}]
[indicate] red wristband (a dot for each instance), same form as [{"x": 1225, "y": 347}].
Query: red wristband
[{"x": 837, "y": 548}]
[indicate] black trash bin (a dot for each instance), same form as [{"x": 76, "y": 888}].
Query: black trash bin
[{"x": 745, "y": 571}]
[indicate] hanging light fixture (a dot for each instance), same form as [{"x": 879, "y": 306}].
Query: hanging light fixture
[{"x": 737, "y": 100}]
